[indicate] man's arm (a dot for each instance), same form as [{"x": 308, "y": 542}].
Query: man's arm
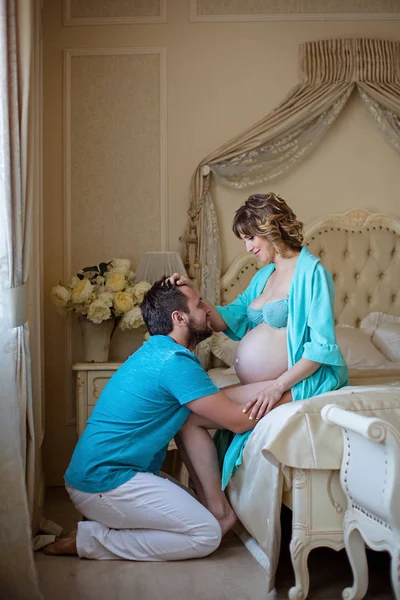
[{"x": 226, "y": 408}]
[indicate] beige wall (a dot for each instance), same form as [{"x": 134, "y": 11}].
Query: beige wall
[{"x": 220, "y": 78}]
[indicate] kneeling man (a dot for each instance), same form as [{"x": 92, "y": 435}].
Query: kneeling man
[{"x": 131, "y": 512}]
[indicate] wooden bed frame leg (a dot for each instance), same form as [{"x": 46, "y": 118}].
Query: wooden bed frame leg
[
  {"x": 355, "y": 548},
  {"x": 395, "y": 569},
  {"x": 299, "y": 550},
  {"x": 300, "y": 545}
]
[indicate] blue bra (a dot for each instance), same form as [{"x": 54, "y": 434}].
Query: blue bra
[{"x": 275, "y": 314}]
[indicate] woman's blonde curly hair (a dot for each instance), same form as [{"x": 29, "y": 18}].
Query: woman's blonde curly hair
[{"x": 268, "y": 215}]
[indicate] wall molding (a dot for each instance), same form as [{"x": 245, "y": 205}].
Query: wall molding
[
  {"x": 69, "y": 53},
  {"x": 194, "y": 17},
  {"x": 69, "y": 20}
]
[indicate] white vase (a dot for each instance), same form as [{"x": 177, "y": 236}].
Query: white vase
[{"x": 96, "y": 340}]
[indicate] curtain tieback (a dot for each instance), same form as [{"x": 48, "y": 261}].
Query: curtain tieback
[{"x": 17, "y": 303}]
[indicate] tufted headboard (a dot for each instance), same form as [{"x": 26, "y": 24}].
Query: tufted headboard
[{"x": 361, "y": 250}]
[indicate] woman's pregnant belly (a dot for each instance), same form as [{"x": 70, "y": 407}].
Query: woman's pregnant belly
[{"x": 262, "y": 354}]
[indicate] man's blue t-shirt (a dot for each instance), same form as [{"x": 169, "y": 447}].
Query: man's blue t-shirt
[{"x": 139, "y": 411}]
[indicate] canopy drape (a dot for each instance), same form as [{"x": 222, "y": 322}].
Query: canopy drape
[{"x": 330, "y": 71}]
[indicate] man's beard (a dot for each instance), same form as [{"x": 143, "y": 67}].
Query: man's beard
[{"x": 197, "y": 334}]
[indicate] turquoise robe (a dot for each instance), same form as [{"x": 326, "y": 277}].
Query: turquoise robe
[{"x": 310, "y": 334}]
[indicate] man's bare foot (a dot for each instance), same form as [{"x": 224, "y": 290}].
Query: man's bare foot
[
  {"x": 65, "y": 545},
  {"x": 227, "y": 521},
  {"x": 222, "y": 511}
]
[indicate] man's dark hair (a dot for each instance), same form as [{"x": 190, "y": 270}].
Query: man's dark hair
[{"x": 158, "y": 305}]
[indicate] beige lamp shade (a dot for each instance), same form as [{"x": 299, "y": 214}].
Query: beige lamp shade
[{"x": 154, "y": 265}]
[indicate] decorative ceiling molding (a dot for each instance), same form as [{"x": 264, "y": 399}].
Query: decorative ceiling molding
[
  {"x": 114, "y": 12},
  {"x": 211, "y": 11}
]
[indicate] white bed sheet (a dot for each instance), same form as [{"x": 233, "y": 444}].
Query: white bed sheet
[{"x": 294, "y": 435}]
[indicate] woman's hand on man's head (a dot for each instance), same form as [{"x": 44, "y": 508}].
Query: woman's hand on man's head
[{"x": 176, "y": 279}]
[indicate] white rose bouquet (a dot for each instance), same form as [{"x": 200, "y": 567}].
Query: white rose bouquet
[{"x": 102, "y": 292}]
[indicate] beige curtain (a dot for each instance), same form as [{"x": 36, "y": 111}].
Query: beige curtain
[
  {"x": 330, "y": 71},
  {"x": 19, "y": 30},
  {"x": 387, "y": 120}
]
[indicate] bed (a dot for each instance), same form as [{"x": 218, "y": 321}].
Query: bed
[{"x": 293, "y": 456}]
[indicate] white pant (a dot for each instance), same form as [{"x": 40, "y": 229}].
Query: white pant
[{"x": 148, "y": 518}]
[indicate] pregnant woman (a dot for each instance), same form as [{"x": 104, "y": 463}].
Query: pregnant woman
[{"x": 284, "y": 318}]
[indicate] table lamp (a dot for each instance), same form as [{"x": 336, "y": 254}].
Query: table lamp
[{"x": 154, "y": 265}]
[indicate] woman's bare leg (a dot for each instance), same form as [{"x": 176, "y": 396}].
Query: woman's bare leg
[{"x": 200, "y": 457}]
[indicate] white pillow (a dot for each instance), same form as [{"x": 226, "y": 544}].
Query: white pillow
[
  {"x": 224, "y": 348},
  {"x": 230, "y": 371},
  {"x": 223, "y": 377},
  {"x": 357, "y": 349},
  {"x": 387, "y": 339},
  {"x": 385, "y": 331}
]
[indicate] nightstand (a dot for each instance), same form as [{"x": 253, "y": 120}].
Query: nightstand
[{"x": 91, "y": 379}]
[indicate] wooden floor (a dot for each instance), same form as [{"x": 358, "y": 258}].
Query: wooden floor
[{"x": 230, "y": 573}]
